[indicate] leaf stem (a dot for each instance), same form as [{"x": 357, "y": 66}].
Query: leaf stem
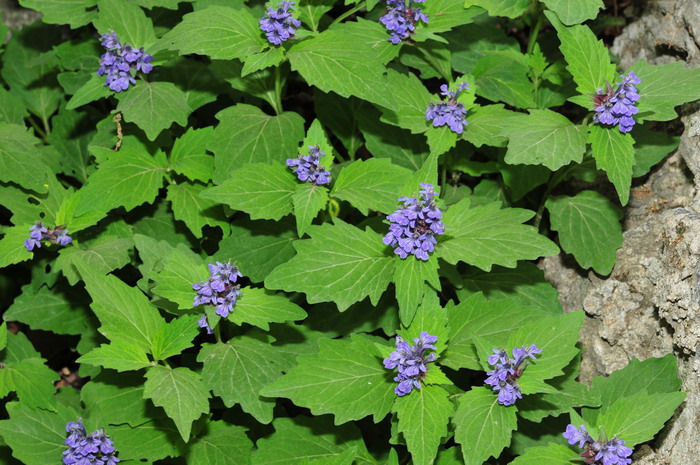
[
  {"x": 436, "y": 66},
  {"x": 534, "y": 33},
  {"x": 277, "y": 105},
  {"x": 351, "y": 11},
  {"x": 38, "y": 129},
  {"x": 217, "y": 333}
]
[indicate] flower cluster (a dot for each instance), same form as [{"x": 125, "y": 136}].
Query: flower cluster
[
  {"x": 220, "y": 290},
  {"x": 401, "y": 19},
  {"x": 411, "y": 361},
  {"x": 414, "y": 226},
  {"x": 449, "y": 112},
  {"x": 278, "y": 23},
  {"x": 600, "y": 452},
  {"x": 86, "y": 449},
  {"x": 308, "y": 168},
  {"x": 617, "y": 107},
  {"x": 39, "y": 232},
  {"x": 119, "y": 61},
  {"x": 504, "y": 378}
]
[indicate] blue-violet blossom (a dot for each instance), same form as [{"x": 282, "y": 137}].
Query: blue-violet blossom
[
  {"x": 411, "y": 361},
  {"x": 617, "y": 107},
  {"x": 600, "y": 452},
  {"x": 449, "y": 112},
  {"x": 39, "y": 232},
  {"x": 86, "y": 449},
  {"x": 308, "y": 167},
  {"x": 220, "y": 291},
  {"x": 278, "y": 23},
  {"x": 401, "y": 19},
  {"x": 119, "y": 60},
  {"x": 507, "y": 371},
  {"x": 414, "y": 226}
]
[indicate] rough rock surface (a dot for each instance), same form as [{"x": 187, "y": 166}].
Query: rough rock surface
[{"x": 650, "y": 305}]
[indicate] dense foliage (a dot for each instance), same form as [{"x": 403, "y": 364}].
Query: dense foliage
[{"x": 306, "y": 233}]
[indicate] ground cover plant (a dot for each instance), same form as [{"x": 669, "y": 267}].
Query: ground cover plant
[{"x": 238, "y": 232}]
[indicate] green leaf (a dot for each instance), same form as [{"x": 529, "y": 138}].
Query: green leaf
[
  {"x": 154, "y": 106},
  {"x": 614, "y": 153},
  {"x": 181, "y": 269},
  {"x": 445, "y": 14},
  {"x": 3, "y": 335},
  {"x": 106, "y": 395},
  {"x": 589, "y": 228},
  {"x": 345, "y": 378},
  {"x": 423, "y": 417},
  {"x": 526, "y": 283},
  {"x": 27, "y": 428},
  {"x": 126, "y": 19},
  {"x": 410, "y": 277},
  {"x": 219, "y": 32},
  {"x": 222, "y": 444},
  {"x": 12, "y": 248},
  {"x": 105, "y": 254},
  {"x": 551, "y": 454},
  {"x": 125, "y": 313},
  {"x": 261, "y": 190},
  {"x": 587, "y": 58},
  {"x": 340, "y": 263},
  {"x": 402, "y": 147},
  {"x": 31, "y": 379},
  {"x": 174, "y": 337},
  {"x": 247, "y": 135},
  {"x": 487, "y": 235},
  {"x": 372, "y": 184},
  {"x": 189, "y": 156},
  {"x": 408, "y": 108},
  {"x": 265, "y": 59},
  {"x": 150, "y": 441},
  {"x": 504, "y": 77},
  {"x": 259, "y": 307},
  {"x": 255, "y": 364},
  {"x": 637, "y": 418},
  {"x": 195, "y": 211},
  {"x": 523, "y": 179},
  {"x": 12, "y": 109},
  {"x": 180, "y": 392},
  {"x": 20, "y": 157},
  {"x": 75, "y": 13},
  {"x": 485, "y": 125},
  {"x": 544, "y": 138},
  {"x": 127, "y": 179},
  {"x": 664, "y": 87},
  {"x": 300, "y": 438},
  {"x": 59, "y": 313},
  {"x": 509, "y": 8},
  {"x": 308, "y": 200},
  {"x": 440, "y": 140},
  {"x": 575, "y": 12},
  {"x": 311, "y": 12},
  {"x": 120, "y": 356},
  {"x": 483, "y": 427},
  {"x": 650, "y": 147}
]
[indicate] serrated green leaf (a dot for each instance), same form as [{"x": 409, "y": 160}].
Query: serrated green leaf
[
  {"x": 31, "y": 379},
  {"x": 650, "y": 147},
  {"x": 180, "y": 392},
  {"x": 523, "y": 179},
  {"x": 544, "y": 138},
  {"x": 402, "y": 147},
  {"x": 509, "y": 8},
  {"x": 340, "y": 263},
  {"x": 574, "y": 12},
  {"x": 59, "y": 313},
  {"x": 105, "y": 254},
  {"x": 504, "y": 77},
  {"x": 106, "y": 395},
  {"x": 247, "y": 135},
  {"x": 664, "y": 87},
  {"x": 589, "y": 228},
  {"x": 126, "y": 19},
  {"x": 443, "y": 15},
  {"x": 265, "y": 59},
  {"x": 483, "y": 427},
  {"x": 345, "y": 378},
  {"x": 485, "y": 125},
  {"x": 370, "y": 33},
  {"x": 411, "y": 276},
  {"x": 552, "y": 454},
  {"x": 174, "y": 337},
  {"x": 119, "y": 355},
  {"x": 371, "y": 184},
  {"x": 195, "y": 211},
  {"x": 222, "y": 444},
  {"x": 308, "y": 200},
  {"x": 311, "y": 12},
  {"x": 19, "y": 158},
  {"x": 261, "y": 190},
  {"x": 408, "y": 108},
  {"x": 259, "y": 307},
  {"x": 189, "y": 156},
  {"x": 72, "y": 12},
  {"x": 154, "y": 106},
  {"x": 614, "y": 153},
  {"x": 12, "y": 109},
  {"x": 487, "y": 235},
  {"x": 440, "y": 140},
  {"x": 3, "y": 335},
  {"x": 219, "y": 32},
  {"x": 151, "y": 441},
  {"x": 12, "y": 248},
  {"x": 423, "y": 417},
  {"x": 93, "y": 89},
  {"x": 255, "y": 365},
  {"x": 181, "y": 269}
]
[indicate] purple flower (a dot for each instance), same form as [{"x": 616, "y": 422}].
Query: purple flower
[
  {"x": 119, "y": 60},
  {"x": 88, "y": 449},
  {"x": 401, "y": 18},
  {"x": 449, "y": 112},
  {"x": 220, "y": 291},
  {"x": 413, "y": 228},
  {"x": 617, "y": 107},
  {"x": 308, "y": 167},
  {"x": 600, "y": 452},
  {"x": 503, "y": 378},
  {"x": 39, "y": 232},
  {"x": 411, "y": 361},
  {"x": 278, "y": 23}
]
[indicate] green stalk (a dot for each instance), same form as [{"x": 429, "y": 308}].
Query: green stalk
[
  {"x": 534, "y": 33},
  {"x": 436, "y": 66},
  {"x": 278, "y": 92},
  {"x": 351, "y": 11}
]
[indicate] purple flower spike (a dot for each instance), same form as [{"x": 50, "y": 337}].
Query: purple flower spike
[
  {"x": 449, "y": 112},
  {"x": 220, "y": 291},
  {"x": 39, "y": 232},
  {"x": 413, "y": 228},
  {"x": 278, "y": 23},
  {"x": 507, "y": 371},
  {"x": 119, "y": 60},
  {"x": 617, "y": 107},
  {"x": 87, "y": 449},
  {"x": 401, "y": 19},
  {"x": 308, "y": 167},
  {"x": 600, "y": 452},
  {"x": 411, "y": 361}
]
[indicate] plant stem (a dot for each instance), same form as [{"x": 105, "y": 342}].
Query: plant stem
[
  {"x": 534, "y": 33},
  {"x": 38, "y": 129},
  {"x": 351, "y": 11},
  {"x": 217, "y": 332},
  {"x": 278, "y": 91},
  {"x": 436, "y": 66}
]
